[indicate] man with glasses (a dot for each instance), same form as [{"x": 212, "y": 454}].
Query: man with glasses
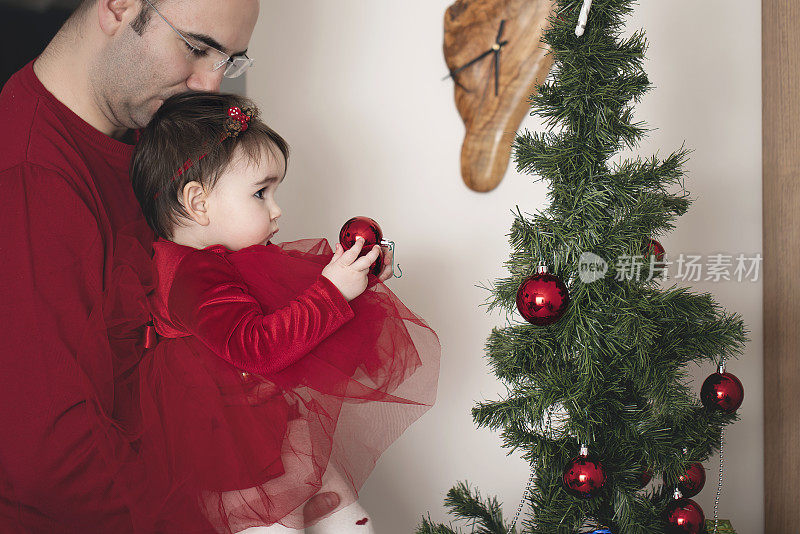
[{"x": 68, "y": 217}]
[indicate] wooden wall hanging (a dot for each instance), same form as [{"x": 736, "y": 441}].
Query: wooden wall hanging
[{"x": 493, "y": 51}]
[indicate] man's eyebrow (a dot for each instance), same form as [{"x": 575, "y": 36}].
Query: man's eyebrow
[{"x": 210, "y": 41}]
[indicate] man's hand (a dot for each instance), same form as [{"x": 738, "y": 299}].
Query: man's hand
[{"x": 387, "y": 270}]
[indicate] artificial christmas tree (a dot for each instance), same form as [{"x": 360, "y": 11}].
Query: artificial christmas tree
[{"x": 615, "y": 360}]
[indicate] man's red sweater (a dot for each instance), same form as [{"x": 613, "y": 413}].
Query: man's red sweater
[{"x": 65, "y": 196}]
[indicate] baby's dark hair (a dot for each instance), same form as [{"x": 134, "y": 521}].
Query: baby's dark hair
[{"x": 185, "y": 127}]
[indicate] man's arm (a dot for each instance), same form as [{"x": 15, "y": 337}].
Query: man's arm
[{"x": 51, "y": 277}]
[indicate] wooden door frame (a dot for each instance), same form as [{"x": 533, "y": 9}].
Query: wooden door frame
[{"x": 780, "y": 56}]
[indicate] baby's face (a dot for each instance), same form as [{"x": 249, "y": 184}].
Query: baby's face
[{"x": 241, "y": 207}]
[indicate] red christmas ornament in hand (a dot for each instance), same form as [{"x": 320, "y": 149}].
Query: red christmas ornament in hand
[
  {"x": 584, "y": 476},
  {"x": 542, "y": 298},
  {"x": 692, "y": 481},
  {"x": 370, "y": 231},
  {"x": 684, "y": 516},
  {"x": 722, "y": 391}
]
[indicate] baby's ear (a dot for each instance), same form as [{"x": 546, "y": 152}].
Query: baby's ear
[{"x": 195, "y": 202}]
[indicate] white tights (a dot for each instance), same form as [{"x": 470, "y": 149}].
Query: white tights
[{"x": 348, "y": 520}]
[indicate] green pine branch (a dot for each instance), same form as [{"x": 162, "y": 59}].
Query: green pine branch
[{"x": 483, "y": 515}]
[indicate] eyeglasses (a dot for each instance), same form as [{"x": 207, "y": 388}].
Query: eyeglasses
[{"x": 236, "y": 65}]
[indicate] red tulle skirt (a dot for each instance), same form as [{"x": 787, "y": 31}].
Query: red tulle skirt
[{"x": 233, "y": 450}]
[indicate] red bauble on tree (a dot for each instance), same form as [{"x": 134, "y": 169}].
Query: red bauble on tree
[
  {"x": 722, "y": 391},
  {"x": 654, "y": 252},
  {"x": 584, "y": 476},
  {"x": 370, "y": 231},
  {"x": 692, "y": 481},
  {"x": 684, "y": 516},
  {"x": 542, "y": 298},
  {"x": 654, "y": 248}
]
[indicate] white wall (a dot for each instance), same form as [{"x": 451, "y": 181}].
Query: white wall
[{"x": 355, "y": 86}]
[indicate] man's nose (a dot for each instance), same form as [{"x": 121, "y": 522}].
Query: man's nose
[{"x": 205, "y": 80}]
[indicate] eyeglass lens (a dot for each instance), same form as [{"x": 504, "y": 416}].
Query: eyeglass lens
[{"x": 237, "y": 66}]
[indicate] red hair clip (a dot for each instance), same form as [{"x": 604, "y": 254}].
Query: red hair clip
[
  {"x": 236, "y": 114},
  {"x": 238, "y": 121}
]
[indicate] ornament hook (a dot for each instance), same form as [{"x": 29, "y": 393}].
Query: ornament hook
[{"x": 392, "y": 247}]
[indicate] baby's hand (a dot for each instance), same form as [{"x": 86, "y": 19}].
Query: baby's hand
[{"x": 347, "y": 271}]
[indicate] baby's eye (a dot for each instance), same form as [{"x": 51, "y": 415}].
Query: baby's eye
[{"x": 260, "y": 193}]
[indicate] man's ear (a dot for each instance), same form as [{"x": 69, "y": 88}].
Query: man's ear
[
  {"x": 113, "y": 14},
  {"x": 195, "y": 201}
]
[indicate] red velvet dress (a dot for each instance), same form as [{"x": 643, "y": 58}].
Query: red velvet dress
[{"x": 268, "y": 386}]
